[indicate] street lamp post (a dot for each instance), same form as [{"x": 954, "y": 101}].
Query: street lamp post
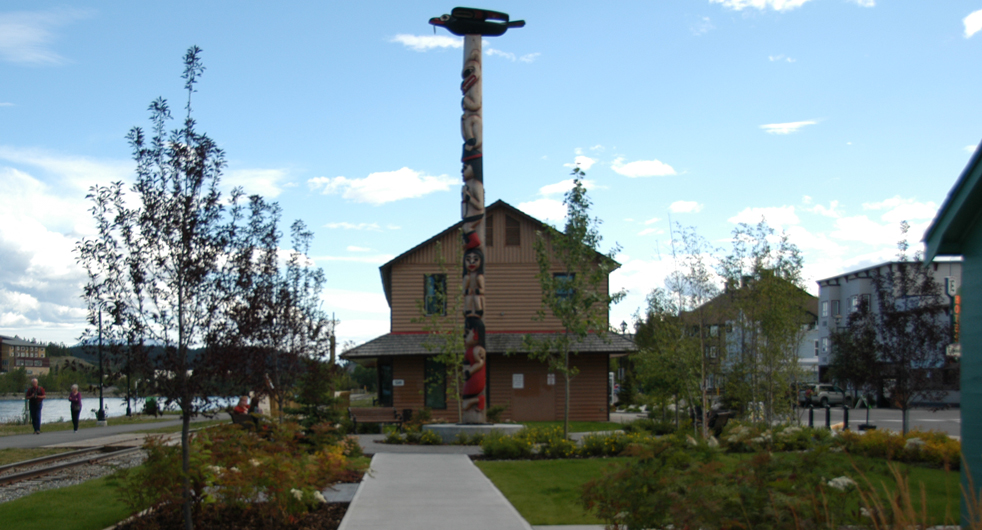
[
  {"x": 100, "y": 415},
  {"x": 473, "y": 25}
]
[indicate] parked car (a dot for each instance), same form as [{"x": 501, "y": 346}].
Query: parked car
[{"x": 821, "y": 394}]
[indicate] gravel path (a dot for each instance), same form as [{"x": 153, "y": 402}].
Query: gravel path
[{"x": 69, "y": 477}]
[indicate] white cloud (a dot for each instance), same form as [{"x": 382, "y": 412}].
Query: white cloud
[
  {"x": 360, "y": 301},
  {"x": 384, "y": 186},
  {"x": 375, "y": 259},
  {"x": 352, "y": 248},
  {"x": 265, "y": 182},
  {"x": 702, "y": 27},
  {"x": 685, "y": 207},
  {"x": 865, "y": 3},
  {"x": 78, "y": 172},
  {"x": 653, "y": 220},
  {"x": 544, "y": 209},
  {"x": 529, "y": 57},
  {"x": 361, "y": 330},
  {"x": 373, "y": 227},
  {"x": 647, "y": 231},
  {"x": 26, "y": 37},
  {"x": 597, "y": 147},
  {"x": 780, "y": 58},
  {"x": 970, "y": 148},
  {"x": 786, "y": 128},
  {"x": 491, "y": 52},
  {"x": 422, "y": 43},
  {"x": 899, "y": 209},
  {"x": 6, "y": 104},
  {"x": 778, "y": 216},
  {"x": 642, "y": 168},
  {"x": 833, "y": 209},
  {"x": 973, "y": 23},
  {"x": 582, "y": 162},
  {"x": 563, "y": 186},
  {"x": 776, "y": 5}
]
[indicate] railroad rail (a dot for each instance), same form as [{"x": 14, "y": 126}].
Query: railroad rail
[{"x": 97, "y": 453}]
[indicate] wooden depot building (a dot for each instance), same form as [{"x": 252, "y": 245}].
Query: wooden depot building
[{"x": 526, "y": 388}]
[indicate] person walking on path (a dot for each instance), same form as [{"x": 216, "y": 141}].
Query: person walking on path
[
  {"x": 75, "y": 398},
  {"x": 35, "y": 399}
]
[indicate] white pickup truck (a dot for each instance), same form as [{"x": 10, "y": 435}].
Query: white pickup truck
[{"x": 821, "y": 394}]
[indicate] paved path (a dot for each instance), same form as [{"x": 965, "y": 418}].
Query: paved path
[
  {"x": 85, "y": 437},
  {"x": 425, "y": 491}
]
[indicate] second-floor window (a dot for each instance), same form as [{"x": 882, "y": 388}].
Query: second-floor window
[
  {"x": 564, "y": 287},
  {"x": 489, "y": 230},
  {"x": 835, "y": 308},
  {"x": 825, "y": 309},
  {"x": 435, "y": 294},
  {"x": 513, "y": 232}
]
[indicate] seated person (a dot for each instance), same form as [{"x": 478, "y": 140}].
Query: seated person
[{"x": 243, "y": 406}]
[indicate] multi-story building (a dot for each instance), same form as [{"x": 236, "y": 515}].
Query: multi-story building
[
  {"x": 17, "y": 353},
  {"x": 727, "y": 341},
  {"x": 526, "y": 388},
  {"x": 841, "y": 295}
]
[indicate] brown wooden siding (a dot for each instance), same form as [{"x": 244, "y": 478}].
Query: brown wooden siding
[
  {"x": 410, "y": 396},
  {"x": 588, "y": 396},
  {"x": 513, "y": 293}
]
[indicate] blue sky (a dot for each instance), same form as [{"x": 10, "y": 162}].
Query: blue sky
[{"x": 835, "y": 119}]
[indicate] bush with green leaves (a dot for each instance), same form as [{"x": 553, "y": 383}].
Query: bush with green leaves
[
  {"x": 668, "y": 484},
  {"x": 650, "y": 426},
  {"x": 931, "y": 447},
  {"x": 237, "y": 468},
  {"x": 498, "y": 446}
]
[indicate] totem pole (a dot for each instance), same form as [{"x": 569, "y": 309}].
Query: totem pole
[{"x": 473, "y": 25}]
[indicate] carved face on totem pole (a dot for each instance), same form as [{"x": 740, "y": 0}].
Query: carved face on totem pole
[{"x": 471, "y": 102}]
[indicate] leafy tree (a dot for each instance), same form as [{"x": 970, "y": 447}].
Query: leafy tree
[
  {"x": 445, "y": 331},
  {"x": 854, "y": 351},
  {"x": 912, "y": 331},
  {"x": 667, "y": 357},
  {"x": 768, "y": 301},
  {"x": 316, "y": 407},
  {"x": 181, "y": 269},
  {"x": 573, "y": 276}
]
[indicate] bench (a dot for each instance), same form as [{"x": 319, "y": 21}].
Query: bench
[
  {"x": 374, "y": 415},
  {"x": 246, "y": 421}
]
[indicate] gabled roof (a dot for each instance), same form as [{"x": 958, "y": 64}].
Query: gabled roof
[
  {"x": 961, "y": 211},
  {"x": 386, "y": 270},
  {"x": 722, "y": 306},
  {"x": 401, "y": 344}
]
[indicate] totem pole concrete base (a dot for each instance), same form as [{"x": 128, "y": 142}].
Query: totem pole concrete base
[{"x": 449, "y": 431}]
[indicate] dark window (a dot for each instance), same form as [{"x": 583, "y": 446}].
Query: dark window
[
  {"x": 489, "y": 230},
  {"x": 564, "y": 287},
  {"x": 835, "y": 308},
  {"x": 435, "y": 294},
  {"x": 436, "y": 384},
  {"x": 513, "y": 232},
  {"x": 385, "y": 382}
]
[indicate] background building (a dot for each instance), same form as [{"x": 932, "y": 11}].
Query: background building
[
  {"x": 17, "y": 353},
  {"x": 840, "y": 295},
  {"x": 525, "y": 387}
]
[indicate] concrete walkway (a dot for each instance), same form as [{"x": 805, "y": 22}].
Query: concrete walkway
[
  {"x": 89, "y": 437},
  {"x": 427, "y": 491}
]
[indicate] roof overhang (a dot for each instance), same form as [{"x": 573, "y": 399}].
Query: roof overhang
[{"x": 962, "y": 210}]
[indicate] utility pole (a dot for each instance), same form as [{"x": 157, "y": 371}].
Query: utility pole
[{"x": 473, "y": 25}]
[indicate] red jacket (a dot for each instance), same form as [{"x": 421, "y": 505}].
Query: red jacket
[{"x": 35, "y": 394}]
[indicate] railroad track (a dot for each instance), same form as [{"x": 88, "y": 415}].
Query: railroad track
[{"x": 29, "y": 469}]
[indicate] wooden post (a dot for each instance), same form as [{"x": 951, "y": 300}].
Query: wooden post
[{"x": 473, "y": 25}]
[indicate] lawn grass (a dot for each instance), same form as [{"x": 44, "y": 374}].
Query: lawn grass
[
  {"x": 177, "y": 428},
  {"x": 546, "y": 492},
  {"x": 10, "y": 429},
  {"x": 577, "y": 426},
  {"x": 91, "y": 505},
  {"x": 10, "y": 456}
]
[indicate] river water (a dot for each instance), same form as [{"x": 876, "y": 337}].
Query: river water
[{"x": 57, "y": 409}]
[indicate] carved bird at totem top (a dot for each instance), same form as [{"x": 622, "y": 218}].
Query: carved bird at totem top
[{"x": 468, "y": 21}]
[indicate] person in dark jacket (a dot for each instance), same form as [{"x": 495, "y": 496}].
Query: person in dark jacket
[
  {"x": 35, "y": 399},
  {"x": 75, "y": 398}
]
